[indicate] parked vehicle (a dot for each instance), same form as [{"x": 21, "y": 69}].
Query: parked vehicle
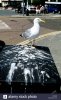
[
  {"x": 31, "y": 8},
  {"x": 53, "y": 7},
  {"x": 36, "y": 9}
]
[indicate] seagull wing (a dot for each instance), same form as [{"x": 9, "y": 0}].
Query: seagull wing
[{"x": 27, "y": 33}]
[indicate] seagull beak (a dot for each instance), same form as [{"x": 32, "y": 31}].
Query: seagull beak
[{"x": 42, "y": 21}]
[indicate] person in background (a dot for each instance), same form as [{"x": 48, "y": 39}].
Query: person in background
[{"x": 38, "y": 9}]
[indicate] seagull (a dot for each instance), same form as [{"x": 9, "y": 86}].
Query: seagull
[{"x": 33, "y": 32}]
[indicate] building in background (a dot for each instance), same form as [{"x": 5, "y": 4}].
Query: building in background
[
  {"x": 4, "y": 3},
  {"x": 20, "y": 2}
]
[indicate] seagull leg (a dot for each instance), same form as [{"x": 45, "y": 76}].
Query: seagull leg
[
  {"x": 29, "y": 43},
  {"x": 33, "y": 42}
]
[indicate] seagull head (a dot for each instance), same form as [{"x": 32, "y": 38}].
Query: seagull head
[{"x": 37, "y": 20}]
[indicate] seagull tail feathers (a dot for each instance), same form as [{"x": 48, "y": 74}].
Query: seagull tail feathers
[{"x": 21, "y": 35}]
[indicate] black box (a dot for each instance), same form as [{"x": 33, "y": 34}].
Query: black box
[{"x": 27, "y": 69}]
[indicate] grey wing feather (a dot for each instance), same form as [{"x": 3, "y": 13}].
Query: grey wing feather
[{"x": 26, "y": 34}]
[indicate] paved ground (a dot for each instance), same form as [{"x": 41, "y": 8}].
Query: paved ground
[{"x": 18, "y": 24}]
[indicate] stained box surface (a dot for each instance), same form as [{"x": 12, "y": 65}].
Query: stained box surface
[{"x": 27, "y": 69}]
